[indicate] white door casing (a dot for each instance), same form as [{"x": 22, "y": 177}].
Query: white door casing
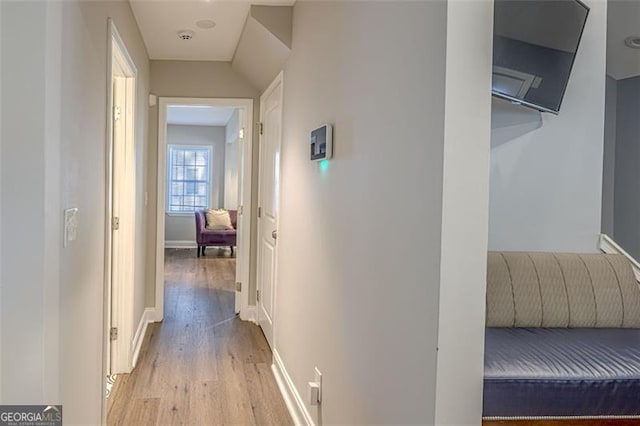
[
  {"x": 117, "y": 176},
  {"x": 268, "y": 201},
  {"x": 243, "y": 237},
  {"x": 120, "y": 206},
  {"x": 243, "y": 260}
]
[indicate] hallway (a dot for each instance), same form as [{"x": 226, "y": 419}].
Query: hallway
[{"x": 202, "y": 364}]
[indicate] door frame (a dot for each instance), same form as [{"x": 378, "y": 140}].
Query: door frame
[
  {"x": 119, "y": 293},
  {"x": 278, "y": 80},
  {"x": 245, "y": 105}
]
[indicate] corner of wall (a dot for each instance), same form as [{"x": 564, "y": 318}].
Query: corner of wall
[
  {"x": 264, "y": 45},
  {"x": 465, "y": 213}
]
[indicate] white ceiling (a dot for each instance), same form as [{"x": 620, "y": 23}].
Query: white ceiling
[
  {"x": 160, "y": 20},
  {"x": 198, "y": 115},
  {"x": 624, "y": 21}
]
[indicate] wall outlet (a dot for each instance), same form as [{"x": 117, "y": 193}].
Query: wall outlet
[
  {"x": 314, "y": 389},
  {"x": 70, "y": 226}
]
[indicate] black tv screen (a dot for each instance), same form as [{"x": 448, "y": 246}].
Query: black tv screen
[{"x": 534, "y": 47}]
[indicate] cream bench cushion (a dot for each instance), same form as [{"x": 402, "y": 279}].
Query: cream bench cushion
[{"x": 529, "y": 289}]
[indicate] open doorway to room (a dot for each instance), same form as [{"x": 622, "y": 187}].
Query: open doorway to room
[
  {"x": 204, "y": 192},
  {"x": 201, "y": 364}
]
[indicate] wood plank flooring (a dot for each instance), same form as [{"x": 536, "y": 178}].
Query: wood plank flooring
[{"x": 202, "y": 365}]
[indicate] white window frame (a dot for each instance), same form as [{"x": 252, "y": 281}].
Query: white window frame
[{"x": 210, "y": 194}]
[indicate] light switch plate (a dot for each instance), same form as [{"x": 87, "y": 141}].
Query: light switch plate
[
  {"x": 314, "y": 393},
  {"x": 70, "y": 225}
]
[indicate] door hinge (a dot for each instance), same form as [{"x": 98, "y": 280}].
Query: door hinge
[
  {"x": 261, "y": 128},
  {"x": 257, "y": 295},
  {"x": 238, "y": 286},
  {"x": 259, "y": 211},
  {"x": 115, "y": 223},
  {"x": 113, "y": 333},
  {"x": 240, "y": 210},
  {"x": 117, "y": 112}
]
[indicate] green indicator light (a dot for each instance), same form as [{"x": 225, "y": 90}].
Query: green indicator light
[{"x": 324, "y": 165}]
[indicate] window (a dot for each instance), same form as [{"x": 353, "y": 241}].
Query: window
[{"x": 189, "y": 185}]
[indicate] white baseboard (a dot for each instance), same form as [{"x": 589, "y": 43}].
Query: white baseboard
[
  {"x": 177, "y": 244},
  {"x": 291, "y": 396},
  {"x": 157, "y": 315},
  {"x": 149, "y": 315},
  {"x": 249, "y": 314}
]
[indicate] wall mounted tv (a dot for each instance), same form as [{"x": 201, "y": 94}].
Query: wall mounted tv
[{"x": 534, "y": 47}]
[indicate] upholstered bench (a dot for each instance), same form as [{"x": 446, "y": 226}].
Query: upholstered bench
[{"x": 563, "y": 336}]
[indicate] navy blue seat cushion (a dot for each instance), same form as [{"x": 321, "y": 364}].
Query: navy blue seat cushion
[{"x": 561, "y": 372}]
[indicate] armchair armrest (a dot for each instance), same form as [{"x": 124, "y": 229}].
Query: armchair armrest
[
  {"x": 200, "y": 224},
  {"x": 233, "y": 214}
]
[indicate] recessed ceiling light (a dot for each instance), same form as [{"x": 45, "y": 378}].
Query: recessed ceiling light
[
  {"x": 185, "y": 34},
  {"x": 633, "y": 42},
  {"x": 206, "y": 24}
]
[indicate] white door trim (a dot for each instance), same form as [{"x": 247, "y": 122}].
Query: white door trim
[
  {"x": 119, "y": 291},
  {"x": 122, "y": 261},
  {"x": 244, "y": 220},
  {"x": 279, "y": 80}
]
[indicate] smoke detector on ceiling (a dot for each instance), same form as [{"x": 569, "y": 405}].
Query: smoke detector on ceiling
[
  {"x": 633, "y": 42},
  {"x": 185, "y": 34},
  {"x": 205, "y": 24}
]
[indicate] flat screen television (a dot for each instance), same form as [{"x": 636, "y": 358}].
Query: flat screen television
[{"x": 534, "y": 48}]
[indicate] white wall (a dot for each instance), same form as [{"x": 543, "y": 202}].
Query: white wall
[
  {"x": 198, "y": 79},
  {"x": 29, "y": 319},
  {"x": 355, "y": 297},
  {"x": 231, "y": 164},
  {"x": 83, "y": 183},
  {"x": 180, "y": 230},
  {"x": 546, "y": 170},
  {"x": 465, "y": 213},
  {"x": 627, "y": 173},
  {"x": 609, "y": 160},
  {"x": 264, "y": 45},
  {"x": 52, "y": 306}
]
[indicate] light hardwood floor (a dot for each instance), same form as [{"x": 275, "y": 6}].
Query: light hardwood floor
[{"x": 202, "y": 365}]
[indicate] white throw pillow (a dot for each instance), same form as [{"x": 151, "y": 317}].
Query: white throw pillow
[{"x": 218, "y": 219}]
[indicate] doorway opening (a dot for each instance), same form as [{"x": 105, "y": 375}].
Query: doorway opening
[
  {"x": 201, "y": 363},
  {"x": 204, "y": 162}
]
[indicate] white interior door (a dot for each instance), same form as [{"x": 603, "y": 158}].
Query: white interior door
[
  {"x": 118, "y": 178},
  {"x": 121, "y": 213},
  {"x": 270, "y": 141}
]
